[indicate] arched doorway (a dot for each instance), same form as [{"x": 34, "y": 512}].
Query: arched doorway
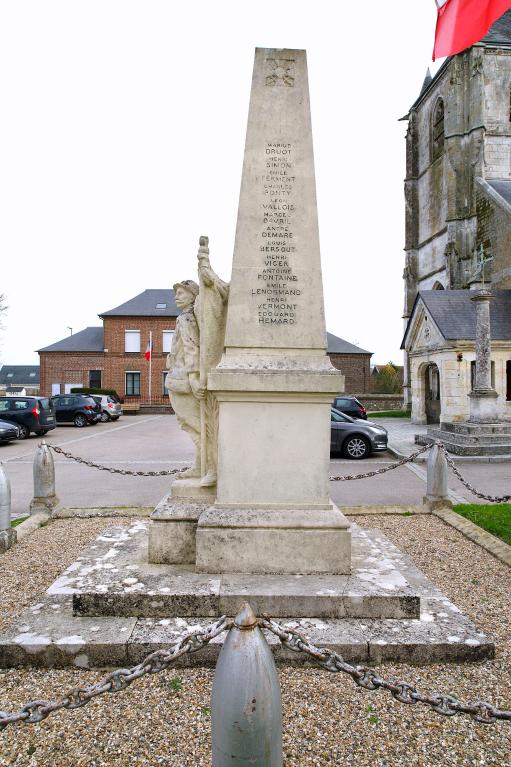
[{"x": 432, "y": 393}]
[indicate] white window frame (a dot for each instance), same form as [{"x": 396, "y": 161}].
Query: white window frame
[
  {"x": 131, "y": 372},
  {"x": 167, "y": 335},
  {"x": 132, "y": 335}
]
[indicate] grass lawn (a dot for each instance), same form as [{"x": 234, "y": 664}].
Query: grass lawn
[
  {"x": 16, "y": 522},
  {"x": 389, "y": 414},
  {"x": 495, "y": 518}
]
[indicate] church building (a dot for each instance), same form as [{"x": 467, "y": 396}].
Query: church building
[{"x": 458, "y": 227}]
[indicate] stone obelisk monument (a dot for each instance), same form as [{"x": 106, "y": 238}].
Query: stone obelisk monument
[{"x": 274, "y": 383}]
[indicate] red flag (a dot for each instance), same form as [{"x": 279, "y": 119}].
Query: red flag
[
  {"x": 461, "y": 23},
  {"x": 149, "y": 348}
]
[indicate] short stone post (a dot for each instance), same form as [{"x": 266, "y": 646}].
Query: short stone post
[
  {"x": 437, "y": 491},
  {"x": 44, "y": 481},
  {"x": 483, "y": 398},
  {"x": 246, "y": 709},
  {"x": 7, "y": 533}
]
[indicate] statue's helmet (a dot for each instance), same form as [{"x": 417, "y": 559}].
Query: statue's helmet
[{"x": 189, "y": 285}]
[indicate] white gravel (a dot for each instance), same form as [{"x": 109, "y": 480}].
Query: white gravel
[{"x": 327, "y": 720}]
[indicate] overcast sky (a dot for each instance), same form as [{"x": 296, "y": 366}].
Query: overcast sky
[{"x": 122, "y": 137}]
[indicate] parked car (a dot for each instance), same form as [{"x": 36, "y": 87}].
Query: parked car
[
  {"x": 355, "y": 438},
  {"x": 8, "y": 431},
  {"x": 350, "y": 406},
  {"x": 111, "y": 408},
  {"x": 28, "y": 414},
  {"x": 80, "y": 409}
]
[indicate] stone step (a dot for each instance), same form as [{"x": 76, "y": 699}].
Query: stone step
[
  {"x": 113, "y": 579},
  {"x": 463, "y": 449},
  {"x": 468, "y": 439},
  {"x": 475, "y": 428},
  {"x": 48, "y": 635}
]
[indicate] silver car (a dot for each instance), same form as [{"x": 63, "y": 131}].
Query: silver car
[
  {"x": 355, "y": 438},
  {"x": 111, "y": 408}
]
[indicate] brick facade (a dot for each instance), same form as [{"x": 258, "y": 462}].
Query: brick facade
[
  {"x": 74, "y": 367},
  {"x": 356, "y": 370}
]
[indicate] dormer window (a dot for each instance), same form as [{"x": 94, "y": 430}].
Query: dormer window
[
  {"x": 437, "y": 135},
  {"x": 161, "y": 306}
]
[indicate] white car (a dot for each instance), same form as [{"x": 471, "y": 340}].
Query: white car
[{"x": 111, "y": 408}]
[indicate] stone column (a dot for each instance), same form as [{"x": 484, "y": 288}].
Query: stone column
[
  {"x": 7, "y": 533},
  {"x": 483, "y": 399}
]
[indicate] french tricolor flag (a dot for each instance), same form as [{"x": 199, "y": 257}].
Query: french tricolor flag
[
  {"x": 461, "y": 23},
  {"x": 149, "y": 348}
]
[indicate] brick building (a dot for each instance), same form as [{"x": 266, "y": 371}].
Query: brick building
[{"x": 113, "y": 356}]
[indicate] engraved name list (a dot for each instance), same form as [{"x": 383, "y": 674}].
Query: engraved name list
[{"x": 277, "y": 291}]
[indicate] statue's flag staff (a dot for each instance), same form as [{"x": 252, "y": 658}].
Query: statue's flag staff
[{"x": 461, "y": 23}]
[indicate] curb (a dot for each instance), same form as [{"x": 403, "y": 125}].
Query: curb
[
  {"x": 491, "y": 543},
  {"x": 89, "y": 512},
  {"x": 359, "y": 511},
  {"x": 32, "y": 523}
]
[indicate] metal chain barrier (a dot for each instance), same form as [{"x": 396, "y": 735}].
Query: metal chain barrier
[
  {"x": 124, "y": 472},
  {"x": 376, "y": 472},
  {"x": 457, "y": 473},
  {"x": 118, "y": 680},
  {"x": 446, "y": 705}
]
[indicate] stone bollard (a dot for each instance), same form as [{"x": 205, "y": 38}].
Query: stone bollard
[
  {"x": 437, "y": 491},
  {"x": 44, "y": 481},
  {"x": 246, "y": 709},
  {"x": 7, "y": 533}
]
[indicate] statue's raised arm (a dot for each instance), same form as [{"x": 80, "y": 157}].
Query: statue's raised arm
[{"x": 211, "y": 312}]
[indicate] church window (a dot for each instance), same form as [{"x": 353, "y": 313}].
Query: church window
[
  {"x": 508, "y": 380},
  {"x": 438, "y": 286},
  {"x": 438, "y": 130}
]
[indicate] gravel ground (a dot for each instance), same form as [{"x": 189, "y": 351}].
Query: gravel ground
[{"x": 165, "y": 719}]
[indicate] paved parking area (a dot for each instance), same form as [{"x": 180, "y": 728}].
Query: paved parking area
[{"x": 156, "y": 442}]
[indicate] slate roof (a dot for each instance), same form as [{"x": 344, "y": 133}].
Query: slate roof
[
  {"x": 20, "y": 375},
  {"x": 500, "y": 32},
  {"x": 144, "y": 305},
  {"x": 503, "y": 188},
  {"x": 338, "y": 345},
  {"x": 454, "y": 314},
  {"x": 87, "y": 340}
]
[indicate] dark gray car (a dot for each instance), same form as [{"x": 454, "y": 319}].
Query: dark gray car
[{"x": 355, "y": 438}]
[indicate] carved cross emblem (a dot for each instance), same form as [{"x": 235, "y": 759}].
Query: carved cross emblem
[{"x": 280, "y": 72}]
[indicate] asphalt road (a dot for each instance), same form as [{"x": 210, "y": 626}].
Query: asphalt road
[{"x": 156, "y": 442}]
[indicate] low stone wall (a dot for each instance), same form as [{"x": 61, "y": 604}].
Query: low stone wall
[{"x": 381, "y": 401}]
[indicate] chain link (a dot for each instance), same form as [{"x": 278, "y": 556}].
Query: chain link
[
  {"x": 457, "y": 473},
  {"x": 118, "y": 680},
  {"x": 375, "y": 472},
  {"x": 111, "y": 470},
  {"x": 369, "y": 679}
]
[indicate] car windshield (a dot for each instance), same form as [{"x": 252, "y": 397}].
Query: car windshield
[{"x": 336, "y": 415}]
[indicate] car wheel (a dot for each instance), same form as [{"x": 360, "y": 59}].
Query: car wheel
[
  {"x": 104, "y": 417},
  {"x": 80, "y": 420},
  {"x": 356, "y": 447},
  {"x": 114, "y": 418},
  {"x": 23, "y": 431}
]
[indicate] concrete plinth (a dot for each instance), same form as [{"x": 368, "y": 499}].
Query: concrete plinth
[
  {"x": 483, "y": 406},
  {"x": 7, "y": 539},
  {"x": 124, "y": 608},
  {"x": 470, "y": 438},
  {"x": 273, "y": 541}
]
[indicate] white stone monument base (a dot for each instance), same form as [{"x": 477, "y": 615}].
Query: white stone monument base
[
  {"x": 273, "y": 541},
  {"x": 483, "y": 406}
]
